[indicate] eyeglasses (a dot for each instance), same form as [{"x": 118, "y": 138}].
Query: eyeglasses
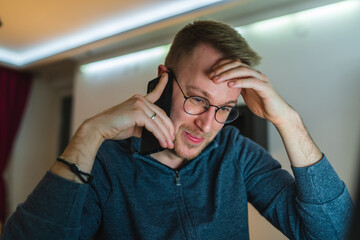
[{"x": 196, "y": 105}]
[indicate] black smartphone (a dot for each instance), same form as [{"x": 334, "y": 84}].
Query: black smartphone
[{"x": 149, "y": 143}]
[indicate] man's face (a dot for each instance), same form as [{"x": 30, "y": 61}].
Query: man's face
[{"x": 194, "y": 132}]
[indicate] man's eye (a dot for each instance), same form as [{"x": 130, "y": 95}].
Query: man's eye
[
  {"x": 225, "y": 109},
  {"x": 196, "y": 99}
]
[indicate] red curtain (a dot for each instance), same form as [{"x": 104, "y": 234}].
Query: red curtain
[{"x": 14, "y": 91}]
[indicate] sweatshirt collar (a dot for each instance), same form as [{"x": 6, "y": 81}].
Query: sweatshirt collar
[{"x": 135, "y": 147}]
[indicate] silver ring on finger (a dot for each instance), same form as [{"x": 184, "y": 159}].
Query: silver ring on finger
[{"x": 153, "y": 116}]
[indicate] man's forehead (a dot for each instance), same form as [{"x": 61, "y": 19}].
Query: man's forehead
[
  {"x": 193, "y": 73},
  {"x": 203, "y": 55}
]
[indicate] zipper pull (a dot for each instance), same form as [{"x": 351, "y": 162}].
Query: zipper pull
[{"x": 177, "y": 178}]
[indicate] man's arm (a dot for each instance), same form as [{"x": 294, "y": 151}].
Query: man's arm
[
  {"x": 54, "y": 209},
  {"x": 320, "y": 204},
  {"x": 315, "y": 206},
  {"x": 265, "y": 102},
  {"x": 301, "y": 149},
  {"x": 120, "y": 122}
]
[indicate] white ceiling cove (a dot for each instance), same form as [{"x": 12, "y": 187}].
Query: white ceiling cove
[{"x": 40, "y": 30}]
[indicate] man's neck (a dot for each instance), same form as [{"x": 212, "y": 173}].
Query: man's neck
[{"x": 169, "y": 159}]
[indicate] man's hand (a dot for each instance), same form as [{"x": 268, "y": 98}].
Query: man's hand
[
  {"x": 128, "y": 118},
  {"x": 256, "y": 90},
  {"x": 119, "y": 122},
  {"x": 265, "y": 102}
]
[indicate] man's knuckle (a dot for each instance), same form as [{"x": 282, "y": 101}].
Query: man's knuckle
[
  {"x": 162, "y": 112},
  {"x": 139, "y": 100}
]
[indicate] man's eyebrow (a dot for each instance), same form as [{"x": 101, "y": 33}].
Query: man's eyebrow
[{"x": 207, "y": 95}]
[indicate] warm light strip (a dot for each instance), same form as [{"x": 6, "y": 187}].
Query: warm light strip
[
  {"x": 137, "y": 19},
  {"x": 128, "y": 59}
]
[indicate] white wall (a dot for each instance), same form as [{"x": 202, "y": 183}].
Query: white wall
[
  {"x": 96, "y": 92},
  {"x": 314, "y": 65},
  {"x": 35, "y": 147}
]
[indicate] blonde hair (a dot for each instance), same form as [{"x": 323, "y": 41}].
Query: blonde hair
[{"x": 219, "y": 35}]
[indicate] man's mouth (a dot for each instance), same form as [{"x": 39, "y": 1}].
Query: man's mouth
[{"x": 193, "y": 139}]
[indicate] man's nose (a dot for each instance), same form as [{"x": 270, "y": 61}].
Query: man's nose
[{"x": 204, "y": 121}]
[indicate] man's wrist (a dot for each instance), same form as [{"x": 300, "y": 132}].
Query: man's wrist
[
  {"x": 290, "y": 121},
  {"x": 301, "y": 149},
  {"x": 81, "y": 151}
]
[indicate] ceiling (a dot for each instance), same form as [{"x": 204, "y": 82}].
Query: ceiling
[{"x": 29, "y": 26}]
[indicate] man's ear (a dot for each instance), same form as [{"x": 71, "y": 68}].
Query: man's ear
[{"x": 161, "y": 69}]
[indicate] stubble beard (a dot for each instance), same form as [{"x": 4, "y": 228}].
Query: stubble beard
[{"x": 178, "y": 144}]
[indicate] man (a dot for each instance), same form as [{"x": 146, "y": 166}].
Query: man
[{"x": 198, "y": 188}]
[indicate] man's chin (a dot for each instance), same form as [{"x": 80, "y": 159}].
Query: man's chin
[
  {"x": 188, "y": 148},
  {"x": 185, "y": 156},
  {"x": 185, "y": 152}
]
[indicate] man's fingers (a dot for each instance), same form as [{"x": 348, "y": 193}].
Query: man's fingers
[
  {"x": 222, "y": 66},
  {"x": 263, "y": 89},
  {"x": 237, "y": 73},
  {"x": 152, "y": 127},
  {"x": 229, "y": 69},
  {"x": 154, "y": 95},
  {"x": 165, "y": 128},
  {"x": 166, "y": 133},
  {"x": 226, "y": 61},
  {"x": 253, "y": 83},
  {"x": 223, "y": 62},
  {"x": 164, "y": 122},
  {"x": 155, "y": 123}
]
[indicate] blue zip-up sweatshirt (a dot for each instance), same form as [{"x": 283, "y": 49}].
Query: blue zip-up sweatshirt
[{"x": 136, "y": 197}]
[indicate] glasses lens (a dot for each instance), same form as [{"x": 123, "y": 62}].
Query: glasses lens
[
  {"x": 196, "y": 105},
  {"x": 226, "y": 114}
]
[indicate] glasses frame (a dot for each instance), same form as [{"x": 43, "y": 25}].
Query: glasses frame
[{"x": 209, "y": 105}]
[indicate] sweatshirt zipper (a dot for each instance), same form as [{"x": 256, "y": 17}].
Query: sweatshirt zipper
[
  {"x": 177, "y": 178},
  {"x": 183, "y": 215}
]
